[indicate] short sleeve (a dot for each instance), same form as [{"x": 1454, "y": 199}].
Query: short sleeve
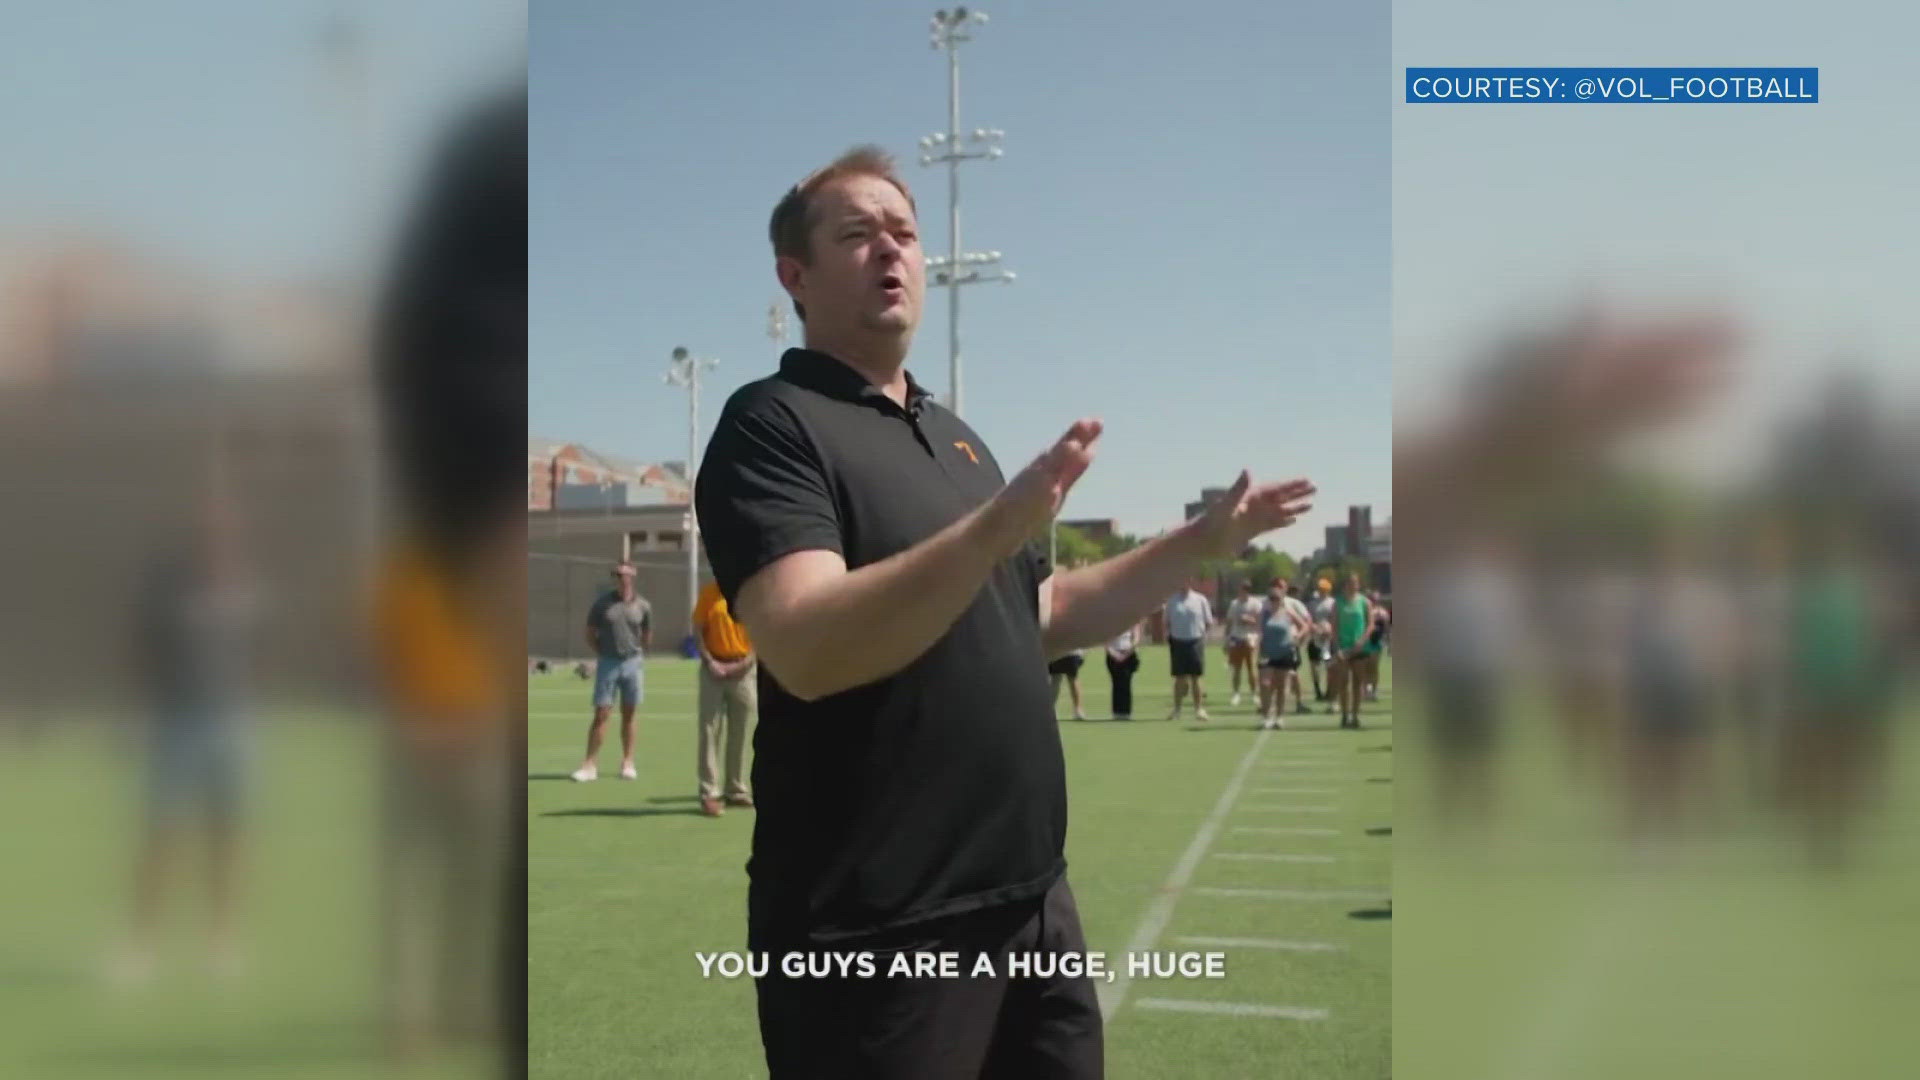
[
  {"x": 646, "y": 616},
  {"x": 598, "y": 612},
  {"x": 704, "y": 607},
  {"x": 762, "y": 494}
]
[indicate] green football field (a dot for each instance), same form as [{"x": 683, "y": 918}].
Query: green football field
[
  {"x": 1274, "y": 848},
  {"x": 1549, "y": 940},
  {"x": 304, "y": 1004}
]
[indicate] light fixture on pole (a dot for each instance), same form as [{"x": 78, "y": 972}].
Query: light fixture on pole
[
  {"x": 777, "y": 324},
  {"x": 685, "y": 372},
  {"x": 951, "y": 147}
]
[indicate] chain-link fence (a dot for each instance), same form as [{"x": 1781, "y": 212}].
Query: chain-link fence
[{"x": 562, "y": 588}]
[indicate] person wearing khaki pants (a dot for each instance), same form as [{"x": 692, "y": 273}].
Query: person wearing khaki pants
[{"x": 728, "y": 698}]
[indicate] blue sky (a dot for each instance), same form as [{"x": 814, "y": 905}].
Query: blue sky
[
  {"x": 209, "y": 130},
  {"x": 1195, "y": 196},
  {"x": 1799, "y": 221}
]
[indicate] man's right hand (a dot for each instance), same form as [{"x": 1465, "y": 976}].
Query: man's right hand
[{"x": 1032, "y": 498}]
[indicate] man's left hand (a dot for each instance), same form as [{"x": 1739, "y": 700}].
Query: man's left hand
[{"x": 1248, "y": 511}]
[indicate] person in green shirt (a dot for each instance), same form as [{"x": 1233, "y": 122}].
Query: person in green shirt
[
  {"x": 1841, "y": 679},
  {"x": 1352, "y": 619}
]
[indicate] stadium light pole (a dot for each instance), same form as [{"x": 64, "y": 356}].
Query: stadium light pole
[
  {"x": 685, "y": 372},
  {"x": 951, "y": 147},
  {"x": 777, "y": 325}
]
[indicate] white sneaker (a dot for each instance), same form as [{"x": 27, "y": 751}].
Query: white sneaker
[
  {"x": 1201, "y": 714},
  {"x": 1236, "y": 701},
  {"x": 586, "y": 773},
  {"x": 628, "y": 772},
  {"x": 1078, "y": 715},
  {"x": 1174, "y": 715}
]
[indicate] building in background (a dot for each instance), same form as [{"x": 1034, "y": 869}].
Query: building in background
[
  {"x": 1380, "y": 557},
  {"x": 570, "y": 553},
  {"x": 1359, "y": 529},
  {"x": 1357, "y": 539},
  {"x": 81, "y": 308},
  {"x": 132, "y": 383},
  {"x": 569, "y": 476},
  {"x": 1208, "y": 496}
]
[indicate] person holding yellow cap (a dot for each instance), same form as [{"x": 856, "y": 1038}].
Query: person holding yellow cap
[
  {"x": 728, "y": 696},
  {"x": 1320, "y": 645}
]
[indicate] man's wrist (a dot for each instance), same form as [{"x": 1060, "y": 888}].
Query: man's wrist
[
  {"x": 1191, "y": 541},
  {"x": 994, "y": 529}
]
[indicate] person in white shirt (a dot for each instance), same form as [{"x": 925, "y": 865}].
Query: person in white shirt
[
  {"x": 1296, "y": 607},
  {"x": 1245, "y": 615},
  {"x": 1188, "y": 617},
  {"x": 1320, "y": 649},
  {"x": 1123, "y": 659}
]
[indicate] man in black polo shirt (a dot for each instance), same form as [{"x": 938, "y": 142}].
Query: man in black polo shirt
[{"x": 908, "y": 771}]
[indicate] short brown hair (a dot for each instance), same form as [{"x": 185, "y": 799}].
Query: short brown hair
[{"x": 792, "y": 224}]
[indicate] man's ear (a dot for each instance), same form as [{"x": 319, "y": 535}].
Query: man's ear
[{"x": 792, "y": 274}]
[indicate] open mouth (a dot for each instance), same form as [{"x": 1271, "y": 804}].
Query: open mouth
[{"x": 892, "y": 283}]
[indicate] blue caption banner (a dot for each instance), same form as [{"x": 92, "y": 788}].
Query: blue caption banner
[{"x": 1613, "y": 86}]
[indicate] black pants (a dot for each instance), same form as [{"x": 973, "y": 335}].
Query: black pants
[
  {"x": 987, "y": 1028},
  {"x": 1121, "y": 672}
]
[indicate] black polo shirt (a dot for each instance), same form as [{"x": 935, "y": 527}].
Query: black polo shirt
[{"x": 940, "y": 789}]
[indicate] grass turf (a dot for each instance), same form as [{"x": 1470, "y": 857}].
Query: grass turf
[
  {"x": 626, "y": 881},
  {"x": 304, "y": 1008}
]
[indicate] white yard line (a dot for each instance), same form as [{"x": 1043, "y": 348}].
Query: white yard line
[
  {"x": 1229, "y": 1008},
  {"x": 1160, "y": 911},
  {"x": 1260, "y": 943},
  {"x": 1284, "y": 830},
  {"x": 1350, "y": 895}
]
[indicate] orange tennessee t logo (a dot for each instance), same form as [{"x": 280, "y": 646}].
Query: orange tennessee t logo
[{"x": 962, "y": 444}]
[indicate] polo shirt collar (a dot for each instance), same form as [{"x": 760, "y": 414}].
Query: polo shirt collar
[{"x": 825, "y": 374}]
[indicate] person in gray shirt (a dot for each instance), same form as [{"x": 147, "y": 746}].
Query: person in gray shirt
[{"x": 619, "y": 631}]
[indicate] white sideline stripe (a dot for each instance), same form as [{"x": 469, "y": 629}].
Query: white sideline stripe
[
  {"x": 1261, "y": 943},
  {"x": 1285, "y": 830},
  {"x": 1261, "y": 856},
  {"x": 1296, "y": 894},
  {"x": 1292, "y": 809},
  {"x": 1229, "y": 1008},
  {"x": 1159, "y": 912}
]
